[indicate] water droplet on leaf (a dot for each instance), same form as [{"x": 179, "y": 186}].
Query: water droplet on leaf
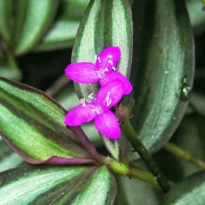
[{"x": 185, "y": 90}]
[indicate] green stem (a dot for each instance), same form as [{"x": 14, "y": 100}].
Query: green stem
[
  {"x": 179, "y": 152},
  {"x": 145, "y": 155},
  {"x": 125, "y": 170},
  {"x": 87, "y": 144}
]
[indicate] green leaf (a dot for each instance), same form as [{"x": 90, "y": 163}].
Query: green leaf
[
  {"x": 19, "y": 18},
  {"x": 61, "y": 35},
  {"x": 11, "y": 73},
  {"x": 33, "y": 126},
  {"x": 63, "y": 32},
  {"x": 162, "y": 69},
  {"x": 132, "y": 192},
  {"x": 189, "y": 191},
  {"x": 190, "y": 137},
  {"x": 39, "y": 16},
  {"x": 112, "y": 146},
  {"x": 197, "y": 16},
  {"x": 8, "y": 159},
  {"x": 5, "y": 20},
  {"x": 57, "y": 185},
  {"x": 105, "y": 23}
]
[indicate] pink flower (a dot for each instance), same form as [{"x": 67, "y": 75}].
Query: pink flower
[
  {"x": 104, "y": 70},
  {"x": 98, "y": 110}
]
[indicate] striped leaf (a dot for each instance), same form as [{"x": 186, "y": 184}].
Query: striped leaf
[
  {"x": 32, "y": 125},
  {"x": 105, "y": 23},
  {"x": 112, "y": 146},
  {"x": 57, "y": 186},
  {"x": 189, "y": 191},
  {"x": 33, "y": 19},
  {"x": 162, "y": 69}
]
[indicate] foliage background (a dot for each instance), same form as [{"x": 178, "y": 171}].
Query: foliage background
[{"x": 43, "y": 64}]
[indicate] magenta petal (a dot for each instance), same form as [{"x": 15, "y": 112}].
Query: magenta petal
[
  {"x": 82, "y": 72},
  {"x": 107, "y": 124},
  {"x": 109, "y": 77},
  {"x": 108, "y": 58},
  {"x": 80, "y": 114},
  {"x": 110, "y": 94}
]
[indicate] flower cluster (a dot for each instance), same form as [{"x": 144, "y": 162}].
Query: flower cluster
[{"x": 114, "y": 86}]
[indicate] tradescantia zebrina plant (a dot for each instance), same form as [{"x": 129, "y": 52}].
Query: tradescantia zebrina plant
[{"x": 132, "y": 67}]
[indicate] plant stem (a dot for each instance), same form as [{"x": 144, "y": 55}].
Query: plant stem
[
  {"x": 11, "y": 59},
  {"x": 58, "y": 85},
  {"x": 179, "y": 152},
  {"x": 10, "y": 56},
  {"x": 145, "y": 155},
  {"x": 87, "y": 144},
  {"x": 125, "y": 170}
]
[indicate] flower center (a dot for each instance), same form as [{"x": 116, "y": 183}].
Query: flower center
[
  {"x": 97, "y": 110},
  {"x": 105, "y": 67}
]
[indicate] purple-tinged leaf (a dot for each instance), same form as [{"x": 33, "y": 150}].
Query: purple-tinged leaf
[{"x": 32, "y": 124}]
